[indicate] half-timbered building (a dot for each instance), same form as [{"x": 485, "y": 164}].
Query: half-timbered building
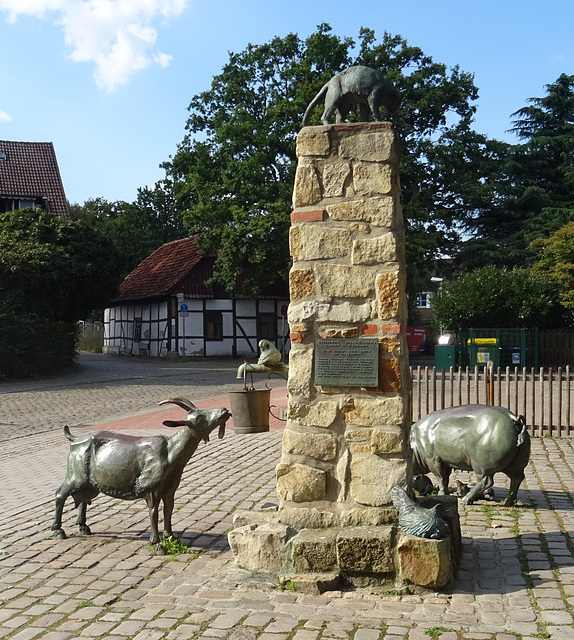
[{"x": 166, "y": 306}]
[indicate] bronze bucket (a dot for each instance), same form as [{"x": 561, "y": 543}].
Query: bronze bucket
[{"x": 250, "y": 410}]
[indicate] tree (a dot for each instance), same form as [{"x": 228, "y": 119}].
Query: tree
[
  {"x": 556, "y": 260},
  {"x": 493, "y": 297},
  {"x": 135, "y": 229},
  {"x": 536, "y": 182},
  {"x": 53, "y": 272},
  {"x": 233, "y": 173}
]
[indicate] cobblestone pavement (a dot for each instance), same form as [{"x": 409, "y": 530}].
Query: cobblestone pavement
[
  {"x": 516, "y": 577},
  {"x": 101, "y": 388}
]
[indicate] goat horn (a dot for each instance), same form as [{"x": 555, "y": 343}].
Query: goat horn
[{"x": 180, "y": 402}]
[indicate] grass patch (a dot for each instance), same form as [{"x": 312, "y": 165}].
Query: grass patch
[
  {"x": 170, "y": 546},
  {"x": 436, "y": 632},
  {"x": 543, "y": 633},
  {"x": 283, "y": 584}
]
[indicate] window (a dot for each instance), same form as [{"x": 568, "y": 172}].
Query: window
[
  {"x": 267, "y": 327},
  {"x": 213, "y": 325},
  {"x": 137, "y": 329},
  {"x": 12, "y": 204},
  {"x": 423, "y": 300}
]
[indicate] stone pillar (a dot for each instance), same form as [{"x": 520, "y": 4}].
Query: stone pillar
[{"x": 345, "y": 446}]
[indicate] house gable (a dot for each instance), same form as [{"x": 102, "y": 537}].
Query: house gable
[{"x": 29, "y": 177}]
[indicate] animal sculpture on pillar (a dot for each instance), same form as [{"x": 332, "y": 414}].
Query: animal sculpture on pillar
[{"x": 356, "y": 85}]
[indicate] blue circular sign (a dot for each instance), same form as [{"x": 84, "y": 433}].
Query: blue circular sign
[{"x": 183, "y": 307}]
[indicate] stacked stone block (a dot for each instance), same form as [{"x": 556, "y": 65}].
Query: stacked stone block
[{"x": 346, "y": 447}]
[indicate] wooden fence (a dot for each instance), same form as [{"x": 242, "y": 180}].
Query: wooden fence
[{"x": 542, "y": 396}]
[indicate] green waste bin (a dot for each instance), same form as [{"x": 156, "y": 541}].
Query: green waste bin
[
  {"x": 444, "y": 356},
  {"x": 481, "y": 351}
]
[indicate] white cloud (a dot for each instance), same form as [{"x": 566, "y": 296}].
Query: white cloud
[
  {"x": 4, "y": 117},
  {"x": 117, "y": 35}
]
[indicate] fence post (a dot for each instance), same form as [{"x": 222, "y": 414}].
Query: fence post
[
  {"x": 559, "y": 402},
  {"x": 476, "y": 385},
  {"x": 516, "y": 408},
  {"x": 568, "y": 414},
  {"x": 524, "y": 377},
  {"x": 533, "y": 399},
  {"x": 427, "y": 390},
  {"x": 550, "y": 402},
  {"x": 442, "y": 388},
  {"x": 419, "y": 399},
  {"x": 488, "y": 377},
  {"x": 541, "y": 400}
]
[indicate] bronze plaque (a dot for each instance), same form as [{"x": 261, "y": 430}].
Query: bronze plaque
[{"x": 347, "y": 363}]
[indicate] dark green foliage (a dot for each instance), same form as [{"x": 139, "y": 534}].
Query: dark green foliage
[
  {"x": 32, "y": 345},
  {"x": 233, "y": 173},
  {"x": 53, "y": 272},
  {"x": 135, "y": 229},
  {"x": 535, "y": 185},
  {"x": 493, "y": 297}
]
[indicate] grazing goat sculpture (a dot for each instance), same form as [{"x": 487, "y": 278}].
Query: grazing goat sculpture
[{"x": 131, "y": 467}]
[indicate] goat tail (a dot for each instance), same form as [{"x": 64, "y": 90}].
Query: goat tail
[
  {"x": 68, "y": 433},
  {"x": 316, "y": 100}
]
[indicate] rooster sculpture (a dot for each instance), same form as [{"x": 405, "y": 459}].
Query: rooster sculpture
[{"x": 420, "y": 522}]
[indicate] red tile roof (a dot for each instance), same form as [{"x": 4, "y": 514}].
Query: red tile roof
[
  {"x": 30, "y": 169},
  {"x": 159, "y": 273},
  {"x": 179, "y": 267}
]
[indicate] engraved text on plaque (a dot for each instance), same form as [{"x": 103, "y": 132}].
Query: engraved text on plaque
[{"x": 347, "y": 363}]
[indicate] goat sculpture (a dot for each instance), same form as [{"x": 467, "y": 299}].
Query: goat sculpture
[{"x": 131, "y": 467}]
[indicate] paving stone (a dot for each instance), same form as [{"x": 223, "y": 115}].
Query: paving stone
[
  {"x": 367, "y": 634},
  {"x": 183, "y": 632},
  {"x": 228, "y": 620},
  {"x": 559, "y": 633},
  {"x": 28, "y": 634},
  {"x": 555, "y": 617}
]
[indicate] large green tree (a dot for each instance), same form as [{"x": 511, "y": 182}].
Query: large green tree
[
  {"x": 233, "y": 173},
  {"x": 535, "y": 192},
  {"x": 53, "y": 272},
  {"x": 135, "y": 229},
  {"x": 499, "y": 297},
  {"x": 556, "y": 260}
]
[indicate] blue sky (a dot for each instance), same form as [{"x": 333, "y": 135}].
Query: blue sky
[{"x": 109, "y": 81}]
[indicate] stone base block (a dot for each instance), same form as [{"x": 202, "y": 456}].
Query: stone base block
[
  {"x": 316, "y": 583},
  {"x": 427, "y": 563},
  {"x": 260, "y": 547},
  {"x": 244, "y": 518},
  {"x": 366, "y": 549},
  {"x": 315, "y": 550}
]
